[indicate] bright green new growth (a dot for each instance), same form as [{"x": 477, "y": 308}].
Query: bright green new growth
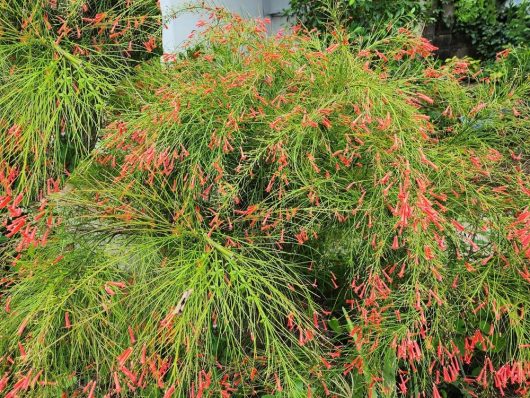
[
  {"x": 59, "y": 62},
  {"x": 231, "y": 296}
]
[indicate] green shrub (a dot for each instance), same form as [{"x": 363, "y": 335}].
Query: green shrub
[
  {"x": 490, "y": 25},
  {"x": 286, "y": 216},
  {"x": 360, "y": 16},
  {"x": 59, "y": 62}
]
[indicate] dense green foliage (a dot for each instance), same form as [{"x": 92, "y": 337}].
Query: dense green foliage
[
  {"x": 59, "y": 62},
  {"x": 359, "y": 16},
  {"x": 295, "y": 215},
  {"x": 490, "y": 25}
]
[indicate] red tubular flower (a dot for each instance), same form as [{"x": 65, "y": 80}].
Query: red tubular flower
[
  {"x": 279, "y": 387},
  {"x": 435, "y": 392},
  {"x": 428, "y": 253},
  {"x": 67, "y": 323},
  {"x": 4, "y": 201},
  {"x": 122, "y": 358},
  {"x": 169, "y": 392}
]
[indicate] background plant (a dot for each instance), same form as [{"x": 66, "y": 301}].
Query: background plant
[
  {"x": 360, "y": 16},
  {"x": 492, "y": 25},
  {"x": 489, "y": 25}
]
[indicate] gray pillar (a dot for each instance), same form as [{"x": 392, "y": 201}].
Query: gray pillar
[{"x": 177, "y": 29}]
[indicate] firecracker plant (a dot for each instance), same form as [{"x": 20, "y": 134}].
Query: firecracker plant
[
  {"x": 284, "y": 216},
  {"x": 59, "y": 62}
]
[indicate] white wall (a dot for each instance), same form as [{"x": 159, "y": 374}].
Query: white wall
[{"x": 177, "y": 29}]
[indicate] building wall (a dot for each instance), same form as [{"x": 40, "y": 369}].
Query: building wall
[
  {"x": 178, "y": 28},
  {"x": 274, "y": 9}
]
